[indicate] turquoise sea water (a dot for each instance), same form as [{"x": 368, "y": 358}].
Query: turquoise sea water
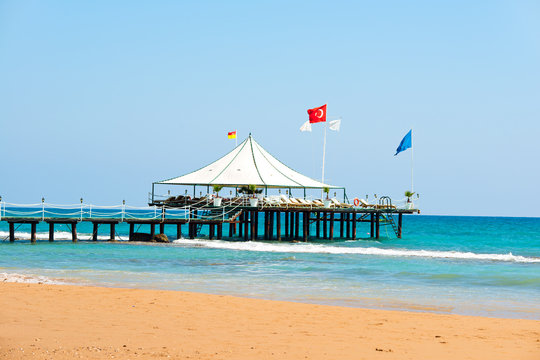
[{"x": 466, "y": 265}]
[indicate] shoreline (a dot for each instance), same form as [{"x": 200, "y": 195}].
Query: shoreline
[{"x": 68, "y": 321}]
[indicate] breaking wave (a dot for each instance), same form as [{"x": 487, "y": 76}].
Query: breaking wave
[
  {"x": 325, "y": 249},
  {"x": 29, "y": 279}
]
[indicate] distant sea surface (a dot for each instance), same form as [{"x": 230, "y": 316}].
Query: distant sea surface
[{"x": 484, "y": 266}]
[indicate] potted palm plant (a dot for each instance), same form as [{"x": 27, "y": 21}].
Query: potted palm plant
[
  {"x": 251, "y": 191},
  {"x": 217, "y": 200},
  {"x": 409, "y": 195},
  {"x": 326, "y": 201}
]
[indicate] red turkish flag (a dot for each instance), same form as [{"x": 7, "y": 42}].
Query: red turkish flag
[{"x": 317, "y": 114}]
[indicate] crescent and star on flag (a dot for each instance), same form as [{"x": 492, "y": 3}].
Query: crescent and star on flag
[{"x": 317, "y": 115}]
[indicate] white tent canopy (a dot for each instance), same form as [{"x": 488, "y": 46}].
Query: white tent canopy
[{"x": 248, "y": 164}]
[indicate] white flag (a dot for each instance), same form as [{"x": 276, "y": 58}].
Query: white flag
[
  {"x": 334, "y": 124},
  {"x": 306, "y": 126}
]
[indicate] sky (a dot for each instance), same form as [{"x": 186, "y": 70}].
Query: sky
[{"x": 100, "y": 99}]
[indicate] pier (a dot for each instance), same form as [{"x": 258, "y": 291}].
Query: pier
[
  {"x": 262, "y": 207},
  {"x": 237, "y": 219}
]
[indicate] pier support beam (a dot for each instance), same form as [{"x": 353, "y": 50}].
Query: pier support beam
[
  {"x": 377, "y": 225},
  {"x": 400, "y": 224},
  {"x": 113, "y": 231},
  {"x": 297, "y": 225},
  {"x": 74, "y": 232},
  {"x": 286, "y": 213},
  {"x": 354, "y": 225},
  {"x": 341, "y": 224},
  {"x": 305, "y": 223},
  {"x": 95, "y": 231},
  {"x": 253, "y": 222},
  {"x": 325, "y": 225},
  {"x": 178, "y": 231},
  {"x": 348, "y": 225},
  {"x": 33, "y": 232},
  {"x": 162, "y": 228},
  {"x": 131, "y": 231},
  {"x": 246, "y": 225},
  {"x": 51, "y": 232},
  {"x": 331, "y": 226},
  {"x": 211, "y": 231},
  {"x": 318, "y": 224},
  {"x": 11, "y": 232},
  {"x": 278, "y": 226},
  {"x": 372, "y": 225},
  {"x": 152, "y": 230},
  {"x": 219, "y": 231}
]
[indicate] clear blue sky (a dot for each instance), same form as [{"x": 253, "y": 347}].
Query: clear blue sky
[{"x": 99, "y": 98}]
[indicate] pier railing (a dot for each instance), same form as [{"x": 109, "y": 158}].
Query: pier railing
[{"x": 201, "y": 209}]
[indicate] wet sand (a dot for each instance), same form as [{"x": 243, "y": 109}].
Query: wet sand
[{"x": 63, "y": 322}]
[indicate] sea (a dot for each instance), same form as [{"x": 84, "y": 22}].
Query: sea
[{"x": 486, "y": 266}]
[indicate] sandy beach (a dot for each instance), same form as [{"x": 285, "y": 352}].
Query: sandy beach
[{"x": 63, "y": 322}]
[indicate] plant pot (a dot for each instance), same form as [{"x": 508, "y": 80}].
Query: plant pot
[
  {"x": 217, "y": 201},
  {"x": 327, "y": 203},
  {"x": 409, "y": 206},
  {"x": 253, "y": 202}
]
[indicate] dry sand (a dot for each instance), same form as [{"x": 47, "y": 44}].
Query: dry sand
[{"x": 65, "y": 322}]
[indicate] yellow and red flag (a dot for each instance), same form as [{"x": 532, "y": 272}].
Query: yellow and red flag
[{"x": 231, "y": 135}]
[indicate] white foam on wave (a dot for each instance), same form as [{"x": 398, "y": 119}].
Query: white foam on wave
[
  {"x": 29, "y": 279},
  {"x": 58, "y": 235},
  {"x": 325, "y": 249}
]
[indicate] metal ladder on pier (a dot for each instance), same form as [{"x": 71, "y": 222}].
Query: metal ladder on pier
[{"x": 388, "y": 218}]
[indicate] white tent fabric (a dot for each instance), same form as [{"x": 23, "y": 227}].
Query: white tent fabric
[{"x": 248, "y": 164}]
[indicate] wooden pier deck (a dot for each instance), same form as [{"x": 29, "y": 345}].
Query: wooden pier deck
[{"x": 242, "y": 222}]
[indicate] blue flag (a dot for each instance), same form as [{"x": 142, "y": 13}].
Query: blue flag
[{"x": 405, "y": 143}]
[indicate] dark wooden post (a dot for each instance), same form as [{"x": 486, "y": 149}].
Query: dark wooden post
[
  {"x": 348, "y": 225},
  {"x": 211, "y": 231},
  {"x": 74, "y": 232},
  {"x": 241, "y": 224},
  {"x": 305, "y": 221},
  {"x": 11, "y": 232},
  {"x": 51, "y": 231},
  {"x": 219, "y": 230},
  {"x": 191, "y": 230},
  {"x": 265, "y": 225},
  {"x": 152, "y": 230},
  {"x": 354, "y": 225},
  {"x": 318, "y": 224},
  {"x": 271, "y": 226},
  {"x": 377, "y": 225},
  {"x": 400, "y": 225},
  {"x": 33, "y": 233},
  {"x": 331, "y": 226},
  {"x": 246, "y": 226},
  {"x": 278, "y": 226},
  {"x": 252, "y": 216},
  {"x": 95, "y": 231},
  {"x": 325, "y": 226},
  {"x": 131, "y": 231},
  {"x": 372, "y": 225},
  {"x": 178, "y": 231},
  {"x": 231, "y": 230},
  {"x": 162, "y": 228},
  {"x": 286, "y": 224},
  {"x": 296, "y": 225},
  {"x": 291, "y": 232},
  {"x": 256, "y": 218},
  {"x": 341, "y": 224},
  {"x": 113, "y": 231}
]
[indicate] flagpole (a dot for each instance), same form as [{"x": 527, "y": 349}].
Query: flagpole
[
  {"x": 323, "y": 157},
  {"x": 236, "y": 138},
  {"x": 412, "y": 157}
]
